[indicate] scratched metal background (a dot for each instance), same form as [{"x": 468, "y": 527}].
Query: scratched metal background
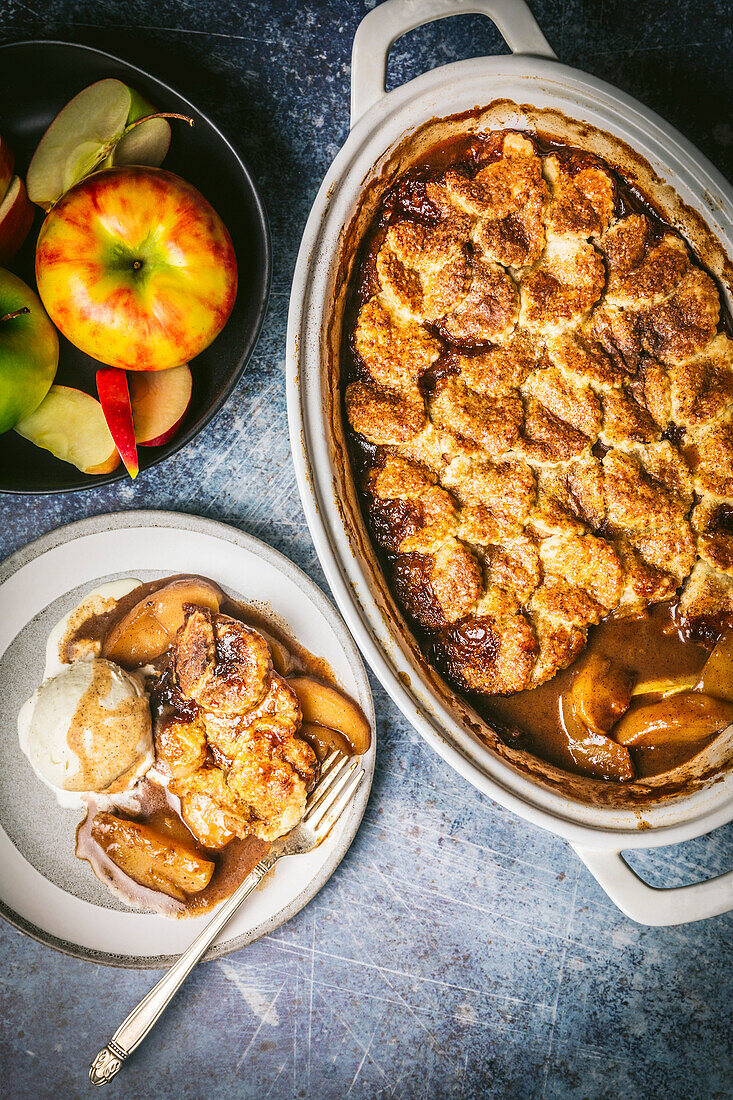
[{"x": 457, "y": 952}]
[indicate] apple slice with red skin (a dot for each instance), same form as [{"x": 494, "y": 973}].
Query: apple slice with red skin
[
  {"x": 114, "y": 397},
  {"x": 7, "y": 163},
  {"x": 16, "y": 219},
  {"x": 160, "y": 400},
  {"x": 70, "y": 424}
]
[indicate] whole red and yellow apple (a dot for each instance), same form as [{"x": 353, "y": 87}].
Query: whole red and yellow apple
[
  {"x": 136, "y": 268},
  {"x": 29, "y": 351}
]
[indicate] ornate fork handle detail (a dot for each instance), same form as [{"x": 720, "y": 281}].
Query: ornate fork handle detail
[
  {"x": 137, "y": 1025},
  {"x": 106, "y": 1064}
]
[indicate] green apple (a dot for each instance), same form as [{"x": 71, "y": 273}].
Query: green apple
[{"x": 29, "y": 351}]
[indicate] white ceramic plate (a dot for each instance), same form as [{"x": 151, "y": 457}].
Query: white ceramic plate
[{"x": 44, "y": 889}]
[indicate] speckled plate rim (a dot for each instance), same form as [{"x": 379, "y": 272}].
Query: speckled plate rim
[{"x": 185, "y": 522}]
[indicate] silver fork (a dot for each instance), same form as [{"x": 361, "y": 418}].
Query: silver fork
[{"x": 340, "y": 777}]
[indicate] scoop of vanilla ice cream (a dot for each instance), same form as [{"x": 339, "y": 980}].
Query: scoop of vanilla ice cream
[{"x": 87, "y": 730}]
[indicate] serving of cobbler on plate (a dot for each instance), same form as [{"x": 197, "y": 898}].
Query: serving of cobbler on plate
[
  {"x": 189, "y": 728},
  {"x": 538, "y": 385}
]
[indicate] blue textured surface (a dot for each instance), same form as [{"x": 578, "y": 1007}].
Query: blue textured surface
[{"x": 457, "y": 952}]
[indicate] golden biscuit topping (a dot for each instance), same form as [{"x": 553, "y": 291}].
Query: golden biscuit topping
[
  {"x": 582, "y": 203},
  {"x": 549, "y": 402},
  {"x": 241, "y": 749}
]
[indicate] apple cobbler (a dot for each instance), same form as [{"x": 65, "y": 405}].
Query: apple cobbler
[
  {"x": 237, "y": 717},
  {"x": 228, "y": 734},
  {"x": 539, "y": 391}
]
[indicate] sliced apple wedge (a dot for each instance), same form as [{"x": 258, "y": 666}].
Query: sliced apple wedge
[
  {"x": 160, "y": 400},
  {"x": 594, "y": 754},
  {"x": 76, "y": 141},
  {"x": 683, "y": 718},
  {"x": 325, "y": 706},
  {"x": 324, "y": 740},
  {"x": 114, "y": 397},
  {"x": 70, "y": 424},
  {"x": 151, "y": 858},
  {"x": 149, "y": 142},
  {"x": 16, "y": 219},
  {"x": 7, "y": 163},
  {"x": 100, "y": 125},
  {"x": 148, "y": 629},
  {"x": 664, "y": 686},
  {"x": 717, "y": 673}
]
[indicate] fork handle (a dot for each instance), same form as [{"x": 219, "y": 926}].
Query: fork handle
[{"x": 145, "y": 1014}]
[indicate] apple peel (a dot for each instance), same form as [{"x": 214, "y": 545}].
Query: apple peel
[
  {"x": 16, "y": 219},
  {"x": 7, "y": 163},
  {"x": 114, "y": 397}
]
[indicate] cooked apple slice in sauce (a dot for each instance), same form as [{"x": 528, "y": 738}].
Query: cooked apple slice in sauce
[
  {"x": 594, "y": 753},
  {"x": 324, "y": 740},
  {"x": 206, "y": 820},
  {"x": 717, "y": 673},
  {"x": 688, "y": 717},
  {"x": 326, "y": 706},
  {"x": 160, "y": 400},
  {"x": 70, "y": 424},
  {"x": 600, "y": 693},
  {"x": 664, "y": 686},
  {"x": 156, "y": 861},
  {"x": 282, "y": 660},
  {"x": 148, "y": 629}
]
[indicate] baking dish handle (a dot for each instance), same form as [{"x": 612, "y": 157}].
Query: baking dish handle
[
  {"x": 382, "y": 26},
  {"x": 652, "y": 905}
]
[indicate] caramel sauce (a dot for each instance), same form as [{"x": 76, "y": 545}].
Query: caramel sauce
[
  {"x": 649, "y": 647},
  {"x": 151, "y": 802}
]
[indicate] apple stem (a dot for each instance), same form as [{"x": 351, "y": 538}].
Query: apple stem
[
  {"x": 15, "y": 313},
  {"x": 158, "y": 114}
]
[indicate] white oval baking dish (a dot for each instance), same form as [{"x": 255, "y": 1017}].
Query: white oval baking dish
[{"x": 522, "y": 87}]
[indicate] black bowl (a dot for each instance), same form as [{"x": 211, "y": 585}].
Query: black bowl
[{"x": 38, "y": 79}]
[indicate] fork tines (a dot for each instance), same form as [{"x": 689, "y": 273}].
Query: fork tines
[{"x": 340, "y": 777}]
